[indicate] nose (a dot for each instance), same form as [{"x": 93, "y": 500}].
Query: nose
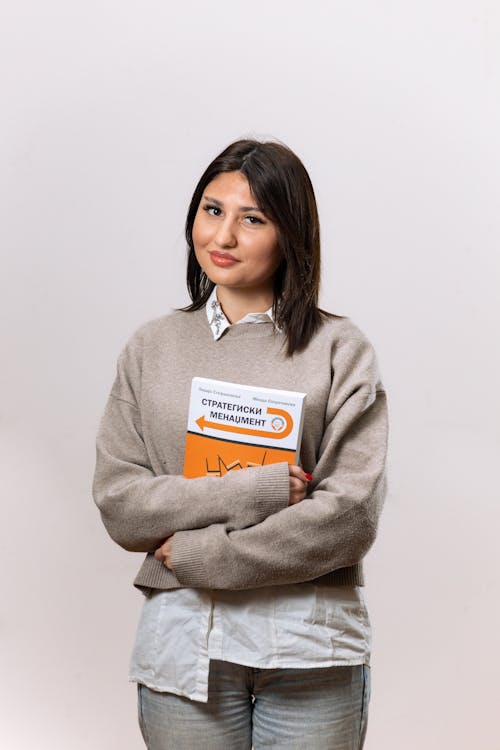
[{"x": 225, "y": 235}]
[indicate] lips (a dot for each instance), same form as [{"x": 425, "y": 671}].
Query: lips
[{"x": 222, "y": 259}]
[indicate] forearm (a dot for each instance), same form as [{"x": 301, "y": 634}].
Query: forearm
[
  {"x": 140, "y": 509},
  {"x": 280, "y": 550},
  {"x": 333, "y": 528}
]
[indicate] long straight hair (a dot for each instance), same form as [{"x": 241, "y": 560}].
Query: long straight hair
[{"x": 282, "y": 188}]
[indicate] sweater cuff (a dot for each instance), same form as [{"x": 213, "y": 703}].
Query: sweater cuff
[
  {"x": 188, "y": 558},
  {"x": 272, "y": 491}
]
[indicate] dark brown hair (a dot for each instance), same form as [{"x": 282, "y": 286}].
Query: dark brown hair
[{"x": 282, "y": 188}]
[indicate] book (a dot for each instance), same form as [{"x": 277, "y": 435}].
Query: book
[{"x": 233, "y": 426}]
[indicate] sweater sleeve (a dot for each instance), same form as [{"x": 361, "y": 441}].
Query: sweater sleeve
[
  {"x": 140, "y": 508},
  {"x": 336, "y": 524}
]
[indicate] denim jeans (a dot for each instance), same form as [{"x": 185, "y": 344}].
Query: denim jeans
[{"x": 318, "y": 709}]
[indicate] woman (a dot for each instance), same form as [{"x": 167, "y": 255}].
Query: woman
[{"x": 254, "y": 628}]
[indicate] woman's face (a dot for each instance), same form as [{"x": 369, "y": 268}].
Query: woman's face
[{"x": 234, "y": 242}]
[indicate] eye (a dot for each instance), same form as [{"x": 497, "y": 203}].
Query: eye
[
  {"x": 254, "y": 219},
  {"x": 212, "y": 210}
]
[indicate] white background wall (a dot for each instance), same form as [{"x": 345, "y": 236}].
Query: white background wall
[{"x": 110, "y": 112}]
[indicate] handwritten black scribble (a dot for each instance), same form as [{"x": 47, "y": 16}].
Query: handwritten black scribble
[{"x": 223, "y": 468}]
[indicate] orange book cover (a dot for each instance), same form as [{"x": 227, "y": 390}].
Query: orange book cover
[{"x": 232, "y": 426}]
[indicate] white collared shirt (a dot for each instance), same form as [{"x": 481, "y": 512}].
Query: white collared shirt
[
  {"x": 218, "y": 321},
  {"x": 291, "y": 626}
]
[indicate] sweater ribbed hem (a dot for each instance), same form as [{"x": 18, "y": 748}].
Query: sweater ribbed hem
[
  {"x": 352, "y": 576},
  {"x": 154, "y": 575}
]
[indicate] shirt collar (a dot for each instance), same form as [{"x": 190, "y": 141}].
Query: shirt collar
[{"x": 218, "y": 321}]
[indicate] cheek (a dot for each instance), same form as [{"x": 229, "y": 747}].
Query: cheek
[
  {"x": 265, "y": 249},
  {"x": 267, "y": 260},
  {"x": 274, "y": 254},
  {"x": 201, "y": 233}
]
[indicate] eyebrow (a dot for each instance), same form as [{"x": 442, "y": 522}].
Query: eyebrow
[{"x": 242, "y": 208}]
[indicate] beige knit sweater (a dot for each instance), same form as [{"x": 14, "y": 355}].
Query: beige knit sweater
[{"x": 238, "y": 531}]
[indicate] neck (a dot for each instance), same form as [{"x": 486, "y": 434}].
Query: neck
[{"x": 236, "y": 303}]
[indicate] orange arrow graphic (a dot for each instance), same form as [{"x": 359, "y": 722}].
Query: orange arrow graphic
[{"x": 202, "y": 423}]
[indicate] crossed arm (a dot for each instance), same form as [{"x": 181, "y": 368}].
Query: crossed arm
[
  {"x": 297, "y": 491},
  {"x": 140, "y": 509},
  {"x": 254, "y": 527},
  {"x": 333, "y": 527}
]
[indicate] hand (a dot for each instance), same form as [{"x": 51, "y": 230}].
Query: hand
[
  {"x": 164, "y": 553},
  {"x": 298, "y": 484}
]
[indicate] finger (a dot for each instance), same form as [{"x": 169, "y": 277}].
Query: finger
[
  {"x": 298, "y": 471},
  {"x": 300, "y": 490}
]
